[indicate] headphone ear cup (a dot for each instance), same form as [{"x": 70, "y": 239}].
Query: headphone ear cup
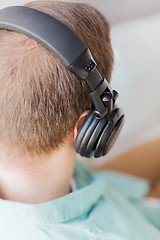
[
  {"x": 85, "y": 132},
  {"x": 96, "y": 136}
]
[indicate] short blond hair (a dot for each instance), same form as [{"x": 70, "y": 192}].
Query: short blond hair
[{"x": 40, "y": 99}]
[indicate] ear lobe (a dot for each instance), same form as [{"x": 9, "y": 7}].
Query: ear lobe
[{"x": 80, "y": 122}]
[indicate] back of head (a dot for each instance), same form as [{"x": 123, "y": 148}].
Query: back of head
[{"x": 40, "y": 99}]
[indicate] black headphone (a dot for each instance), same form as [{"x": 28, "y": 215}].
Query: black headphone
[{"x": 103, "y": 123}]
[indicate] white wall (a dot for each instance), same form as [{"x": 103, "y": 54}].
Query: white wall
[
  {"x": 136, "y": 75},
  {"x": 116, "y": 11},
  {"x": 7, "y": 3}
]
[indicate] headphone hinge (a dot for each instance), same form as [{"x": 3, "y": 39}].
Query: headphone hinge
[{"x": 102, "y": 105}]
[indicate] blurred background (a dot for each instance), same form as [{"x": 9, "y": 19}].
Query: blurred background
[{"x": 135, "y": 34}]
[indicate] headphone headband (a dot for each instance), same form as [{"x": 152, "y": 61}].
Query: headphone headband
[
  {"x": 45, "y": 29},
  {"x": 70, "y": 49}
]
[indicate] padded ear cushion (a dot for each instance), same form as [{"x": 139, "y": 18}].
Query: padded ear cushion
[
  {"x": 87, "y": 135},
  {"x": 84, "y": 132},
  {"x": 94, "y": 137}
]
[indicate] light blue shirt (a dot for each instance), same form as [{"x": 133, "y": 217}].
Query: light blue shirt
[{"x": 106, "y": 206}]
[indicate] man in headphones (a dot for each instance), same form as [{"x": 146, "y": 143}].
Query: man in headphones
[{"x": 45, "y": 193}]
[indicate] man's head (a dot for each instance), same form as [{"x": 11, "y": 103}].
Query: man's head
[{"x": 41, "y": 100}]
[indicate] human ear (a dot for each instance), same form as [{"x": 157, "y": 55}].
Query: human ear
[{"x": 79, "y": 123}]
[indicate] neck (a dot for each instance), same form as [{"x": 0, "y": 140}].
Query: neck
[{"x": 47, "y": 181}]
